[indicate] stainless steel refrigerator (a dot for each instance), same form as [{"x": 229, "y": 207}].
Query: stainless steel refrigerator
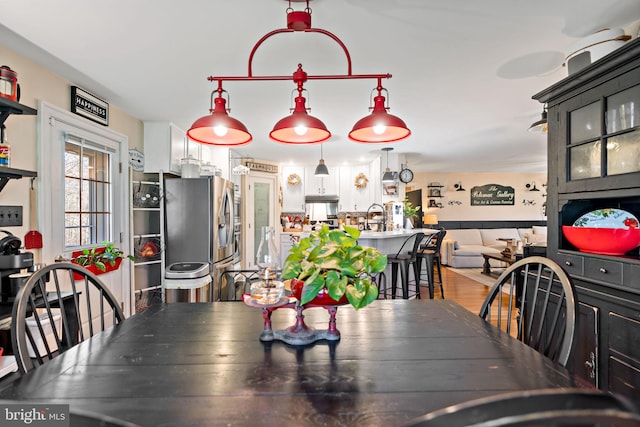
[{"x": 199, "y": 228}]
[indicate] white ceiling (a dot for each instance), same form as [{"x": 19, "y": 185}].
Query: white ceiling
[{"x": 463, "y": 71}]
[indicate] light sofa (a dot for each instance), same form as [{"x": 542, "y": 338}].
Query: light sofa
[{"x": 464, "y": 248}]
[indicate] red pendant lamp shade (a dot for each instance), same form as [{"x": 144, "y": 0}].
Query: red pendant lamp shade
[
  {"x": 379, "y": 126},
  {"x": 300, "y": 127},
  {"x": 218, "y": 128}
]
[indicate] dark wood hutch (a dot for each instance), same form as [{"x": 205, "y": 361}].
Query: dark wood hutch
[{"x": 593, "y": 163}]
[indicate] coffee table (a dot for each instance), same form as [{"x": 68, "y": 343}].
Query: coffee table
[{"x": 486, "y": 267}]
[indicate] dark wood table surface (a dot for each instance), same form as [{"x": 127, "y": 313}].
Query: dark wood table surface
[{"x": 203, "y": 365}]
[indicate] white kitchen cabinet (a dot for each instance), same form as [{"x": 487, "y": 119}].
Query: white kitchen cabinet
[
  {"x": 293, "y": 189},
  {"x": 217, "y": 156},
  {"x": 354, "y": 198},
  {"x": 324, "y": 186},
  {"x": 287, "y": 240},
  {"x": 165, "y": 145},
  {"x": 375, "y": 181}
]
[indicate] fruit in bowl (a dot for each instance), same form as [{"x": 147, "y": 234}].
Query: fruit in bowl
[{"x": 605, "y": 241}]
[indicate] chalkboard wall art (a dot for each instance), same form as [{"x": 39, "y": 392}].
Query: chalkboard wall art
[{"x": 492, "y": 195}]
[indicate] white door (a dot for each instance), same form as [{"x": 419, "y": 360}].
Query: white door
[
  {"x": 57, "y": 128},
  {"x": 259, "y": 193}
]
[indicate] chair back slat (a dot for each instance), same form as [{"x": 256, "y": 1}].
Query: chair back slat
[
  {"x": 60, "y": 313},
  {"x": 541, "y": 302},
  {"x": 542, "y": 407}
]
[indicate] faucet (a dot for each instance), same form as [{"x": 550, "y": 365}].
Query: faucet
[{"x": 384, "y": 216}]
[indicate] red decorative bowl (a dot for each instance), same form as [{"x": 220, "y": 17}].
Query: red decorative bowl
[
  {"x": 323, "y": 297},
  {"x": 605, "y": 241}
]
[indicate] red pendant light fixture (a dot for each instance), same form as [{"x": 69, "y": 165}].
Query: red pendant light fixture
[
  {"x": 299, "y": 127},
  {"x": 218, "y": 128},
  {"x": 379, "y": 126}
]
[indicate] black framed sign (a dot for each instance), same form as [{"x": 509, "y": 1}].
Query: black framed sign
[
  {"x": 89, "y": 106},
  {"x": 492, "y": 195}
]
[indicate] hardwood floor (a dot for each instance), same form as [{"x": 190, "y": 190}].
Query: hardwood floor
[{"x": 466, "y": 292}]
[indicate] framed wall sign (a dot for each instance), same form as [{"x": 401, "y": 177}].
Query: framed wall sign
[
  {"x": 492, "y": 195},
  {"x": 89, "y": 106}
]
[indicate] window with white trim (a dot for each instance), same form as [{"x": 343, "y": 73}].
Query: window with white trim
[{"x": 88, "y": 190}]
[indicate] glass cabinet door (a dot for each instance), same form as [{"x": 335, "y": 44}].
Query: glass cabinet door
[
  {"x": 623, "y": 142},
  {"x": 585, "y": 153},
  {"x": 613, "y": 123}
]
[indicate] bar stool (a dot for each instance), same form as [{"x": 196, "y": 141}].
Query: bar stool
[
  {"x": 402, "y": 261},
  {"x": 431, "y": 253}
]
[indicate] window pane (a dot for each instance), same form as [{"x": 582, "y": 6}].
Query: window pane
[
  {"x": 87, "y": 195},
  {"x": 585, "y": 123},
  {"x": 72, "y": 193},
  {"x": 585, "y": 161},
  {"x": 623, "y": 110},
  {"x": 623, "y": 153},
  {"x": 72, "y": 161}
]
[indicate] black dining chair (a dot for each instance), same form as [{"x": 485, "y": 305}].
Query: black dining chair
[
  {"x": 403, "y": 260},
  {"x": 58, "y": 307},
  {"x": 430, "y": 253},
  {"x": 537, "y": 297},
  {"x": 545, "y": 407}
]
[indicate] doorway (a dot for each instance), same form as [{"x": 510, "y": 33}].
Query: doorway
[
  {"x": 260, "y": 190},
  {"x": 57, "y": 128}
]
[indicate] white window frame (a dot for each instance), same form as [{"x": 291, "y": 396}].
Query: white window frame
[{"x": 52, "y": 122}]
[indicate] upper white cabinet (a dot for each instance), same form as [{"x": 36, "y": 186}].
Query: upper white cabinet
[
  {"x": 165, "y": 145},
  {"x": 217, "y": 156},
  {"x": 355, "y": 188},
  {"x": 293, "y": 189},
  {"x": 327, "y": 185}
]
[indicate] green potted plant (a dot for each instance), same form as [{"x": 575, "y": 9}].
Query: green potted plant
[
  {"x": 410, "y": 211},
  {"x": 329, "y": 267},
  {"x": 100, "y": 259}
]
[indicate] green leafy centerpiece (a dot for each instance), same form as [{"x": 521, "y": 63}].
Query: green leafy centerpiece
[
  {"x": 326, "y": 269},
  {"x": 331, "y": 263}
]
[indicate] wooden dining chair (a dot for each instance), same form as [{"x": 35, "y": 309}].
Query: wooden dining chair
[
  {"x": 537, "y": 297},
  {"x": 545, "y": 407},
  {"x": 58, "y": 307}
]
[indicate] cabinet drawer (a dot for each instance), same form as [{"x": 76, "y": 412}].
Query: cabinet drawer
[
  {"x": 602, "y": 270},
  {"x": 631, "y": 276},
  {"x": 624, "y": 379},
  {"x": 624, "y": 336},
  {"x": 573, "y": 264}
]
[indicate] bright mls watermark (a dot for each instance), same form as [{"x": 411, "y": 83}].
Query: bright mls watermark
[{"x": 32, "y": 414}]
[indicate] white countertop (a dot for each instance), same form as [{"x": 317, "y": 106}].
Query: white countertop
[
  {"x": 395, "y": 233},
  {"x": 378, "y": 234}
]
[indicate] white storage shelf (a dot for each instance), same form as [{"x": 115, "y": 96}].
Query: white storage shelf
[{"x": 147, "y": 240}]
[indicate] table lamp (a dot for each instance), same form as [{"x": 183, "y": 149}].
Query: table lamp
[{"x": 430, "y": 220}]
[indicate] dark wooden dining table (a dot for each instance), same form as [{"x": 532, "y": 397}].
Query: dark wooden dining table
[{"x": 203, "y": 364}]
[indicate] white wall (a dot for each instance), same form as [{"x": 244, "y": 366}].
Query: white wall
[{"x": 457, "y": 204}]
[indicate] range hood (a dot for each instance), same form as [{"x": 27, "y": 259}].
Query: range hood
[{"x": 322, "y": 198}]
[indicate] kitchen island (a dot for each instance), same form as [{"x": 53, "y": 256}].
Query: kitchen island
[
  {"x": 390, "y": 242},
  {"x": 387, "y": 242}
]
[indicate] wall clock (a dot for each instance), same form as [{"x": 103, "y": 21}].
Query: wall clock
[
  {"x": 406, "y": 175},
  {"x": 136, "y": 160}
]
